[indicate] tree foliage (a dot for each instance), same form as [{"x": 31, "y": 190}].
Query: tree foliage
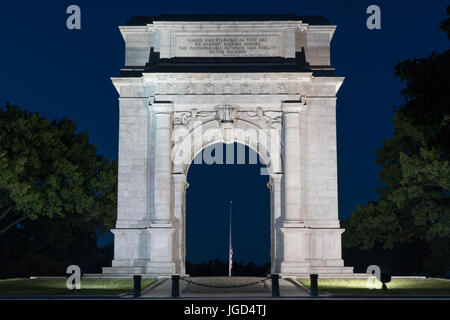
[
  {"x": 414, "y": 202},
  {"x": 56, "y": 193}
]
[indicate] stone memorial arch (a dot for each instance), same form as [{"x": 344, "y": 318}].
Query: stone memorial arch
[{"x": 192, "y": 81}]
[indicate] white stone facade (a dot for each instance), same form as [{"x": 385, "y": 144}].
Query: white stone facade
[{"x": 166, "y": 118}]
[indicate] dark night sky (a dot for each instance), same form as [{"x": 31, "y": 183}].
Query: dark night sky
[{"x": 58, "y": 72}]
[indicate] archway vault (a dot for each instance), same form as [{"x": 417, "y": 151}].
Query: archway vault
[
  {"x": 189, "y": 142},
  {"x": 190, "y": 139}
]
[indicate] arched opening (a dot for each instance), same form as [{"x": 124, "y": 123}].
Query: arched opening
[{"x": 218, "y": 174}]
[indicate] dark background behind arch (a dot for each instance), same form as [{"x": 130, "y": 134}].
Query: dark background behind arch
[{"x": 211, "y": 187}]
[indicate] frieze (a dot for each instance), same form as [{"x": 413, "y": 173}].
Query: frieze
[
  {"x": 211, "y": 88},
  {"x": 227, "y": 115}
]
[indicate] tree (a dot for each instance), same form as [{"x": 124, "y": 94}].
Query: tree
[
  {"x": 414, "y": 205},
  {"x": 56, "y": 193}
]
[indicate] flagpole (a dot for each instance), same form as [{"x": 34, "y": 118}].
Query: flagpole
[{"x": 230, "y": 251}]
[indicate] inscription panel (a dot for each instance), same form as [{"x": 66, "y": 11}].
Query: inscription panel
[{"x": 261, "y": 45}]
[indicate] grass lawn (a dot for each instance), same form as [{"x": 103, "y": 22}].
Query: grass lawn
[
  {"x": 395, "y": 287},
  {"x": 58, "y": 286}
]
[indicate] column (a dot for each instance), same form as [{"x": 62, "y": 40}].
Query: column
[
  {"x": 276, "y": 239},
  {"x": 162, "y": 163},
  {"x": 294, "y": 236},
  {"x": 291, "y": 166},
  {"x": 179, "y": 211},
  {"x": 162, "y": 232}
]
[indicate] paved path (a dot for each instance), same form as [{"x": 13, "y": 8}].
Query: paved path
[{"x": 239, "y": 287}]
